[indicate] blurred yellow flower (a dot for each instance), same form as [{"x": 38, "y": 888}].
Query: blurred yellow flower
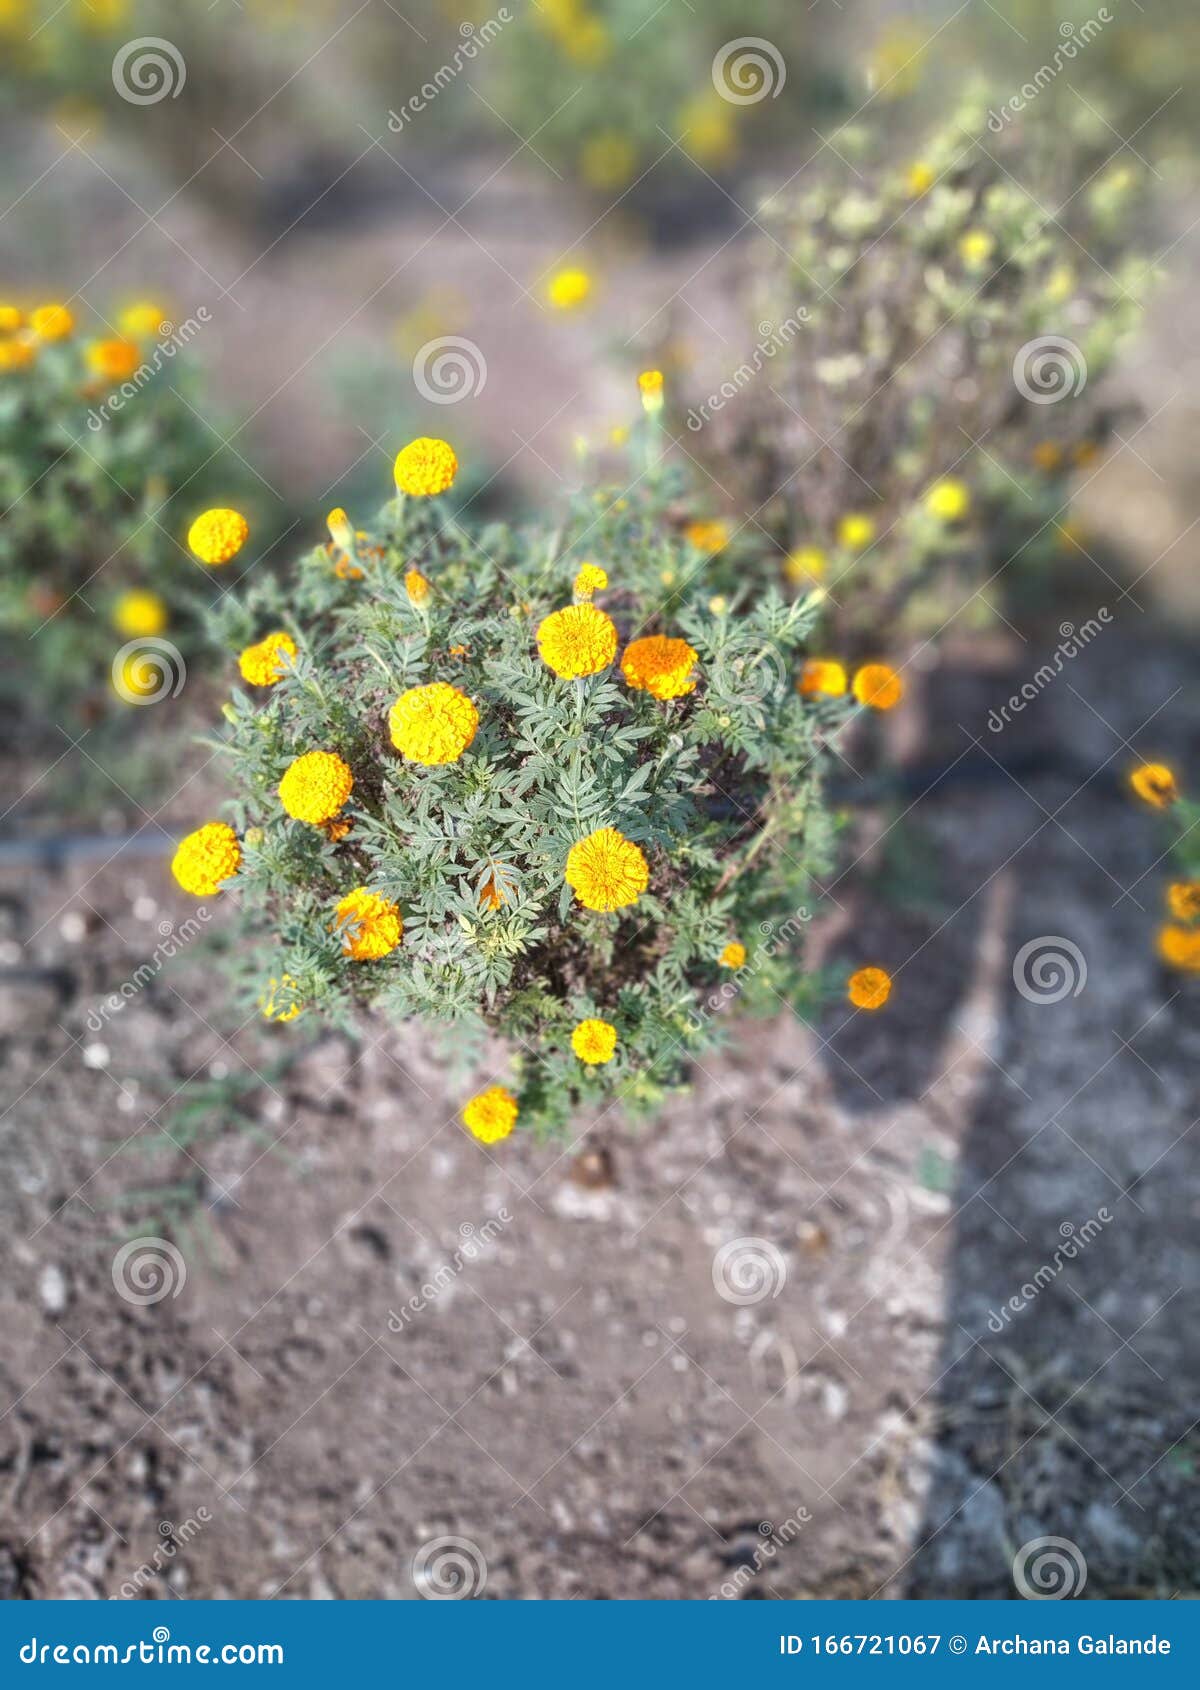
[
  {"x": 948, "y": 500},
  {"x": 51, "y": 322},
  {"x": 855, "y": 531},
  {"x": 138, "y": 614},
  {"x": 568, "y": 289},
  {"x": 608, "y": 160},
  {"x": 806, "y": 563},
  {"x": 976, "y": 247}
]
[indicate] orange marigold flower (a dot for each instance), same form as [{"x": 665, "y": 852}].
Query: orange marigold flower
[
  {"x": 733, "y": 956},
  {"x": 869, "y": 988},
  {"x": 1179, "y": 947},
  {"x": 337, "y": 829},
  {"x": 660, "y": 665},
  {"x": 710, "y": 537},
  {"x": 416, "y": 586},
  {"x": 315, "y": 787},
  {"x": 113, "y": 360},
  {"x": 821, "y": 674},
  {"x": 491, "y": 1115},
  {"x": 16, "y": 354},
  {"x": 206, "y": 858},
  {"x": 879, "y": 686},
  {"x": 425, "y": 467},
  {"x": 370, "y": 926},
  {"x": 268, "y": 661},
  {"x": 1183, "y": 899},
  {"x": 577, "y": 641},
  {"x": 606, "y": 870},
  {"x": 594, "y": 1042},
  {"x": 218, "y": 535},
  {"x": 1154, "y": 784},
  {"x": 51, "y": 322},
  {"x": 433, "y": 724},
  {"x": 591, "y": 579}
]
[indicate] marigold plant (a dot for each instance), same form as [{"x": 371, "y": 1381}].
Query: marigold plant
[{"x": 533, "y": 822}]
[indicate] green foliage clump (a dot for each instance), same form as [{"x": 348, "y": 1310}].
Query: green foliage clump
[
  {"x": 721, "y": 789},
  {"x": 941, "y": 312}
]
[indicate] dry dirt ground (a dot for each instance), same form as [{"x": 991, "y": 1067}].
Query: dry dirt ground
[{"x": 573, "y": 1395}]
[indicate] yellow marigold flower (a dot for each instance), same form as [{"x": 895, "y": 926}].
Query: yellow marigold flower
[
  {"x": 142, "y": 320},
  {"x": 948, "y": 500},
  {"x": 608, "y": 160},
  {"x": 416, "y": 586},
  {"x": 606, "y": 870},
  {"x": 370, "y": 926},
  {"x": 1179, "y": 947},
  {"x": 425, "y": 467},
  {"x": 821, "y": 674},
  {"x": 1154, "y": 783},
  {"x": 806, "y": 563},
  {"x": 976, "y": 247},
  {"x": 340, "y": 530},
  {"x": 879, "y": 686},
  {"x": 869, "y": 988},
  {"x": 491, "y": 1115},
  {"x": 920, "y": 178},
  {"x": 433, "y": 724},
  {"x": 651, "y": 384},
  {"x": 710, "y": 537},
  {"x": 855, "y": 531},
  {"x": 1183, "y": 899},
  {"x": 580, "y": 640},
  {"x": 707, "y": 128},
  {"x": 594, "y": 1042},
  {"x": 567, "y": 289},
  {"x": 268, "y": 661},
  {"x": 315, "y": 787},
  {"x": 733, "y": 956},
  {"x": 16, "y": 354},
  {"x": 51, "y": 322},
  {"x": 218, "y": 535},
  {"x": 113, "y": 360},
  {"x": 136, "y": 614},
  {"x": 11, "y": 318},
  {"x": 279, "y": 1001},
  {"x": 206, "y": 858},
  {"x": 660, "y": 665},
  {"x": 591, "y": 579},
  {"x": 1047, "y": 455}
]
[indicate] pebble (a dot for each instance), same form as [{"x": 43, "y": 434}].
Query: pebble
[{"x": 52, "y": 1288}]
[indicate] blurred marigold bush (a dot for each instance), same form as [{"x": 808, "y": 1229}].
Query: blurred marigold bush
[{"x": 563, "y": 794}]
